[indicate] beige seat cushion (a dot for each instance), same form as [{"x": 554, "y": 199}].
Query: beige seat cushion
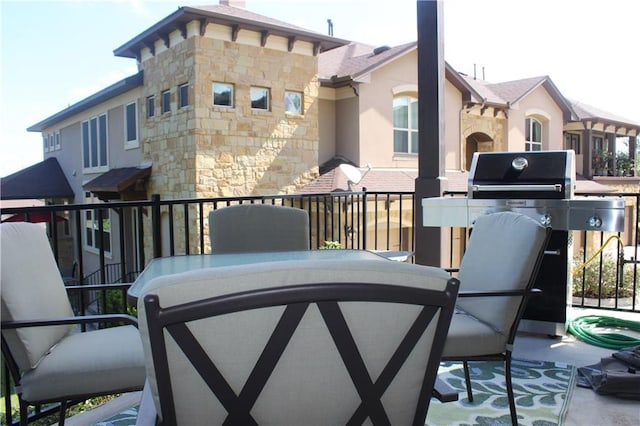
[
  {"x": 469, "y": 336},
  {"x": 93, "y": 362}
]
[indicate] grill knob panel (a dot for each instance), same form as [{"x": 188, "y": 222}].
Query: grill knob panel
[{"x": 545, "y": 220}]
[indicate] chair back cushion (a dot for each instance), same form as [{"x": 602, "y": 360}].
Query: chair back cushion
[
  {"x": 31, "y": 288},
  {"x": 258, "y": 227},
  {"x": 309, "y": 383},
  {"x": 502, "y": 254}
]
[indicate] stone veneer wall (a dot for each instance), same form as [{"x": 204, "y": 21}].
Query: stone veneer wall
[{"x": 202, "y": 150}]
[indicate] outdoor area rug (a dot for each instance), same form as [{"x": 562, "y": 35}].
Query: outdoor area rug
[{"x": 542, "y": 392}]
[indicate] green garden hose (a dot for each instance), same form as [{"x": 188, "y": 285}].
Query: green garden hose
[{"x": 584, "y": 329}]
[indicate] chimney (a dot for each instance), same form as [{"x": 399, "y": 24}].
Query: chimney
[{"x": 234, "y": 3}]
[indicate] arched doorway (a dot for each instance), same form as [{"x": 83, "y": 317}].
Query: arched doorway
[{"x": 477, "y": 142}]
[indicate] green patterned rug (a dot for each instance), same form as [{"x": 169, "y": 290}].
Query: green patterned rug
[{"x": 542, "y": 392}]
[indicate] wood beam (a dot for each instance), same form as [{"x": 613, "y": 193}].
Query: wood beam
[{"x": 263, "y": 38}]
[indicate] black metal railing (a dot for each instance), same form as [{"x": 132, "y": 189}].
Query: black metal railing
[{"x": 140, "y": 230}]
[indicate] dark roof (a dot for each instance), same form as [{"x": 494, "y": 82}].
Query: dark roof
[
  {"x": 226, "y": 15},
  {"x": 356, "y": 59},
  {"x": 110, "y": 92},
  {"x": 332, "y": 179},
  {"x": 39, "y": 181},
  {"x": 122, "y": 183}
]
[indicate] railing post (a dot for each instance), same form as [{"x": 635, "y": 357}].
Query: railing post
[
  {"x": 156, "y": 230},
  {"x": 364, "y": 218}
]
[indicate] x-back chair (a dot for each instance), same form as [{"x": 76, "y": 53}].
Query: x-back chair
[
  {"x": 48, "y": 358},
  {"x": 296, "y": 342}
]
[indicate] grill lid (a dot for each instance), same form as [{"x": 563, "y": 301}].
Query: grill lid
[{"x": 522, "y": 175}]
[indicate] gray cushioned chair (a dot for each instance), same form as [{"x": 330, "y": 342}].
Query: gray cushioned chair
[
  {"x": 497, "y": 272},
  {"x": 295, "y": 343},
  {"x": 50, "y": 361},
  {"x": 258, "y": 227}
]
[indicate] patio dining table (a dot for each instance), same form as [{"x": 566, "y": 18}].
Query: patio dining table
[{"x": 176, "y": 264}]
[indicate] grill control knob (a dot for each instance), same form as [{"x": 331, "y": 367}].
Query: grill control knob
[
  {"x": 545, "y": 220},
  {"x": 595, "y": 222},
  {"x": 519, "y": 164}
]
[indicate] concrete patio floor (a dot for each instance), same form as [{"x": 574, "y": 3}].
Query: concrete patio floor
[{"x": 586, "y": 408}]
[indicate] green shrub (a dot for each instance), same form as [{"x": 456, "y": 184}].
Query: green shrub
[
  {"x": 331, "y": 245},
  {"x": 592, "y": 278}
]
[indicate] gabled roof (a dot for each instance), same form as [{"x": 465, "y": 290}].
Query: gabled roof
[
  {"x": 42, "y": 180},
  {"x": 110, "y": 92},
  {"x": 236, "y": 18},
  {"x": 510, "y": 92},
  {"x": 355, "y": 60}
]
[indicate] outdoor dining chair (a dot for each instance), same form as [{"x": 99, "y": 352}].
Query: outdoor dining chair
[
  {"x": 49, "y": 359},
  {"x": 497, "y": 273},
  {"x": 322, "y": 342},
  {"x": 258, "y": 227}
]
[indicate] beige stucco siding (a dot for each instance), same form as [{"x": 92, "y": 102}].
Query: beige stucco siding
[
  {"x": 540, "y": 105},
  {"x": 452, "y": 135}
]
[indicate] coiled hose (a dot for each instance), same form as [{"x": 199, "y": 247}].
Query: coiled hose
[{"x": 584, "y": 329}]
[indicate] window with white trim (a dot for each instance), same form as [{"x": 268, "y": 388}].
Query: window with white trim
[
  {"x": 293, "y": 103},
  {"x": 151, "y": 106},
  {"x": 183, "y": 95},
  {"x": 260, "y": 98},
  {"x": 405, "y": 125},
  {"x": 166, "y": 101},
  {"x": 94, "y": 143},
  {"x": 56, "y": 138},
  {"x": 131, "y": 125},
  {"x": 45, "y": 143},
  {"x": 223, "y": 94},
  {"x": 533, "y": 130},
  {"x": 92, "y": 226}
]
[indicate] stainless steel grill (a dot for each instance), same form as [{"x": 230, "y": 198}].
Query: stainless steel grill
[{"x": 539, "y": 184}]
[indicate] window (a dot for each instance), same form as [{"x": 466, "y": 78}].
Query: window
[
  {"x": 183, "y": 92},
  {"x": 45, "y": 143},
  {"x": 572, "y": 141},
  {"x": 151, "y": 106},
  {"x": 293, "y": 103},
  {"x": 166, "y": 101},
  {"x": 51, "y": 143},
  {"x": 92, "y": 226},
  {"x": 260, "y": 98},
  {"x": 405, "y": 125},
  {"x": 57, "y": 140},
  {"x": 534, "y": 135},
  {"x": 94, "y": 142},
  {"x": 131, "y": 125},
  {"x": 223, "y": 94}
]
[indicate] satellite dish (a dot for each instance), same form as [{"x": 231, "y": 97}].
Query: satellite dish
[{"x": 352, "y": 173}]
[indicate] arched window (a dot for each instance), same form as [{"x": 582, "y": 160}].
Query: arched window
[
  {"x": 405, "y": 125},
  {"x": 534, "y": 135}
]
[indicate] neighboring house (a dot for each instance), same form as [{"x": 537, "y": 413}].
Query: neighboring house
[{"x": 231, "y": 103}]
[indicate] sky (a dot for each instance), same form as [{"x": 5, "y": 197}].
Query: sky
[{"x": 55, "y": 53}]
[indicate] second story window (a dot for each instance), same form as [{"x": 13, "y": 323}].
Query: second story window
[
  {"x": 94, "y": 143},
  {"x": 260, "y": 98},
  {"x": 151, "y": 106},
  {"x": 166, "y": 101},
  {"x": 131, "y": 125},
  {"x": 223, "y": 94},
  {"x": 533, "y": 130},
  {"x": 183, "y": 93},
  {"x": 405, "y": 125},
  {"x": 57, "y": 140}
]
